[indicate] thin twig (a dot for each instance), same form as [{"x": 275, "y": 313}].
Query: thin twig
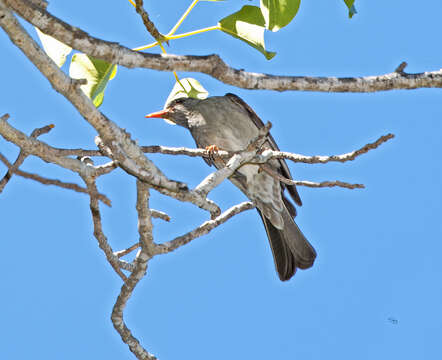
[
  {"x": 150, "y": 26},
  {"x": 284, "y": 180},
  {"x": 22, "y": 156},
  {"x": 268, "y": 154},
  {"x": 124, "y": 252},
  {"x": 194, "y": 197},
  {"x": 98, "y": 228},
  {"x": 329, "y": 184},
  {"x": 42, "y": 150},
  {"x": 157, "y": 149},
  {"x": 55, "y": 182},
  {"x": 203, "y": 229},
  {"x": 159, "y": 215}
]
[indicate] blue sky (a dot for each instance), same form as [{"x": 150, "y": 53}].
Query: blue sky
[{"x": 378, "y": 248}]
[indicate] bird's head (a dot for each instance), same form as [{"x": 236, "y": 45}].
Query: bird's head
[{"x": 176, "y": 112}]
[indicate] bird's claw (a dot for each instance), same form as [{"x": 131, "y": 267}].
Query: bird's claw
[{"x": 212, "y": 150}]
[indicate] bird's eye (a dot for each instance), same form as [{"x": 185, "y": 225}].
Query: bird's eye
[{"x": 179, "y": 101}]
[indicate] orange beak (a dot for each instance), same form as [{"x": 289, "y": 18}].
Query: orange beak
[{"x": 162, "y": 114}]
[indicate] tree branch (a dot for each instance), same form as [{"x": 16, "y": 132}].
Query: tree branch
[
  {"x": 124, "y": 252},
  {"x": 213, "y": 65},
  {"x": 283, "y": 179},
  {"x": 22, "y": 155},
  {"x": 159, "y": 215},
  {"x": 265, "y": 156},
  {"x": 117, "y": 311},
  {"x": 144, "y": 218},
  {"x": 203, "y": 229},
  {"x": 40, "y": 149},
  {"x": 141, "y": 259},
  {"x": 122, "y": 148},
  {"x": 46, "y": 181},
  {"x": 217, "y": 177},
  {"x": 182, "y": 193},
  {"x": 318, "y": 159},
  {"x": 335, "y": 183},
  {"x": 98, "y": 230},
  {"x": 150, "y": 26}
]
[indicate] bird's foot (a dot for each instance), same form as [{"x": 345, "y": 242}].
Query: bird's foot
[{"x": 212, "y": 150}]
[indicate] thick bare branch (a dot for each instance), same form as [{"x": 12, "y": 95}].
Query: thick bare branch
[
  {"x": 144, "y": 218},
  {"x": 181, "y": 193},
  {"x": 213, "y": 65},
  {"x": 41, "y": 3},
  {"x": 203, "y": 229}
]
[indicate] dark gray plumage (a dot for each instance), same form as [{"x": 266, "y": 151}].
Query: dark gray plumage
[{"x": 229, "y": 123}]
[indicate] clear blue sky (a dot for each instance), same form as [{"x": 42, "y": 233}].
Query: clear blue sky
[{"x": 219, "y": 297}]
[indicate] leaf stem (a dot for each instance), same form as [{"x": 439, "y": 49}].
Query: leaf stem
[
  {"x": 190, "y": 33},
  {"x": 134, "y": 5},
  {"x": 179, "y": 36},
  {"x": 145, "y": 47},
  {"x": 183, "y": 17}
]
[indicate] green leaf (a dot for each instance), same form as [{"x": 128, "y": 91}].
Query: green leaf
[
  {"x": 248, "y": 25},
  {"x": 351, "y": 8},
  {"x": 192, "y": 89},
  {"x": 279, "y": 13},
  {"x": 55, "y": 49},
  {"x": 97, "y": 73}
]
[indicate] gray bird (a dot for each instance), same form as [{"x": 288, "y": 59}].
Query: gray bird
[{"x": 230, "y": 124}]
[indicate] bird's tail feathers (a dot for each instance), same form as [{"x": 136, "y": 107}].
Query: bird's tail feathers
[{"x": 289, "y": 246}]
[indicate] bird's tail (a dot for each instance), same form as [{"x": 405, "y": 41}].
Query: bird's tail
[{"x": 289, "y": 246}]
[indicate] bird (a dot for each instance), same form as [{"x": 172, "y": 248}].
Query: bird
[{"x": 228, "y": 123}]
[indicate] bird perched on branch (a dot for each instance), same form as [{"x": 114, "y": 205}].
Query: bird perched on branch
[{"x": 228, "y": 123}]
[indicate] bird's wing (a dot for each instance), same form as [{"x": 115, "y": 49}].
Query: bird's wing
[{"x": 284, "y": 169}]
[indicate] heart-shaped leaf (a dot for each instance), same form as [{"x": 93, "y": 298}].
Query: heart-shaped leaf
[
  {"x": 192, "y": 88},
  {"x": 55, "y": 49},
  {"x": 351, "y": 7},
  {"x": 279, "y": 13},
  {"x": 97, "y": 73},
  {"x": 248, "y": 25}
]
